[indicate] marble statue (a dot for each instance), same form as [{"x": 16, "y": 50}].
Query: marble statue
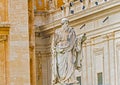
[{"x": 67, "y": 51}]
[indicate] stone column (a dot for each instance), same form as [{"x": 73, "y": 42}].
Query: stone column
[
  {"x": 88, "y": 60},
  {"x": 19, "y": 59},
  {"x": 3, "y": 60},
  {"x": 84, "y": 67},
  {"x": 92, "y": 60},
  {"x": 112, "y": 58},
  {"x": 106, "y": 62},
  {"x": 32, "y": 42},
  {"x": 117, "y": 57}
]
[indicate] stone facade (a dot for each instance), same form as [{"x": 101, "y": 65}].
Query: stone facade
[
  {"x": 101, "y": 23},
  {"x": 26, "y": 60}
]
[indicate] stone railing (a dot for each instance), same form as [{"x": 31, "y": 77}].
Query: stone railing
[{"x": 67, "y": 10}]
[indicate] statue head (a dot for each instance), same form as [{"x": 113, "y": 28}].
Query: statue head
[{"x": 64, "y": 21}]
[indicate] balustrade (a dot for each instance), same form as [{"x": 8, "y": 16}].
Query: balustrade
[{"x": 71, "y": 8}]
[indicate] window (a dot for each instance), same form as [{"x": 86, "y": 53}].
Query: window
[
  {"x": 100, "y": 80},
  {"x": 79, "y": 79}
]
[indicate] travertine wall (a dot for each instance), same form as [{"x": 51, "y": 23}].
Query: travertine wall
[{"x": 101, "y": 49}]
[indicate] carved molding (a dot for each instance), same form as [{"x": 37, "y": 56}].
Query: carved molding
[
  {"x": 99, "y": 39},
  {"x": 102, "y": 38},
  {"x": 4, "y": 28}
]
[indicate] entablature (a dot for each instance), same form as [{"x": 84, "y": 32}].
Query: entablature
[{"x": 82, "y": 17}]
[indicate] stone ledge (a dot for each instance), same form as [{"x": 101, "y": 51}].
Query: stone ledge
[{"x": 4, "y": 28}]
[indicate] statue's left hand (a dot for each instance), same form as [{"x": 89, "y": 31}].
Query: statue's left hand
[{"x": 83, "y": 38}]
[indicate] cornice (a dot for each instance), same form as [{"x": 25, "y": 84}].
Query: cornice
[{"x": 83, "y": 16}]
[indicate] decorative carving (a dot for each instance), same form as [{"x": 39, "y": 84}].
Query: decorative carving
[{"x": 66, "y": 54}]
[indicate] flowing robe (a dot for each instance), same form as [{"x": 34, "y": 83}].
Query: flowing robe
[{"x": 64, "y": 56}]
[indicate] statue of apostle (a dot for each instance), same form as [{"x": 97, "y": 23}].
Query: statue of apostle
[{"x": 66, "y": 55}]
